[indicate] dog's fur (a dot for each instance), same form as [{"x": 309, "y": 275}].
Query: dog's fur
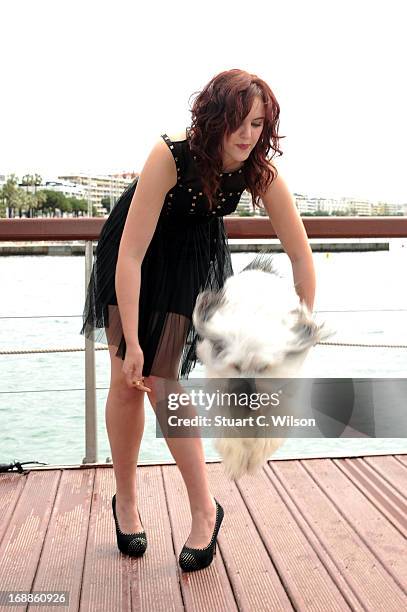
[{"x": 254, "y": 327}]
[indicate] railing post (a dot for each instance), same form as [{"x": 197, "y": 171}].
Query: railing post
[{"x": 90, "y": 376}]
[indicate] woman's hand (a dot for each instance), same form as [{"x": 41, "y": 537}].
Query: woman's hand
[{"x": 133, "y": 367}]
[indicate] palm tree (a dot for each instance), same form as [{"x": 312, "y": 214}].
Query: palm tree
[
  {"x": 11, "y": 194},
  {"x": 30, "y": 201},
  {"x": 37, "y": 181},
  {"x": 26, "y": 181}
]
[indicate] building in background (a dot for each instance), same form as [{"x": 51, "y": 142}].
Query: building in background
[
  {"x": 70, "y": 190},
  {"x": 99, "y": 186},
  {"x": 348, "y": 206},
  {"x": 245, "y": 207},
  {"x": 96, "y": 187}
]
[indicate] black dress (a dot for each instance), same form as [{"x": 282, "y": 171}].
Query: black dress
[{"x": 188, "y": 253}]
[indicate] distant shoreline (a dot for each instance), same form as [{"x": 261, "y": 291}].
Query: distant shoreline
[{"x": 72, "y": 248}]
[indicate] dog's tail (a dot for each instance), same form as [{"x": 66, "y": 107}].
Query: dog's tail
[{"x": 263, "y": 261}]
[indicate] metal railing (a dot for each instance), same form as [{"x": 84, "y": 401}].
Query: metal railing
[{"x": 88, "y": 229}]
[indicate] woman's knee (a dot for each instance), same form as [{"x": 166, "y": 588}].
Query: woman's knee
[
  {"x": 153, "y": 383},
  {"x": 151, "y": 380},
  {"x": 161, "y": 387},
  {"x": 118, "y": 382}
]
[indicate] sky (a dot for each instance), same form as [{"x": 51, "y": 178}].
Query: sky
[{"x": 89, "y": 86}]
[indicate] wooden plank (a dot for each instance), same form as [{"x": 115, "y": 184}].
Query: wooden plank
[
  {"x": 206, "y": 589},
  {"x": 301, "y": 567},
  {"x": 377, "y": 490},
  {"x": 333, "y": 537},
  {"x": 26, "y": 523},
  {"x": 60, "y": 566},
  {"x": 377, "y": 533},
  {"x": 394, "y": 472},
  {"x": 252, "y": 574},
  {"x": 106, "y": 577},
  {"x": 113, "y": 581},
  {"x": 11, "y": 487}
]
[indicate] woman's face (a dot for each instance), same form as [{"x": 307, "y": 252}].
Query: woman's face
[{"x": 247, "y": 134}]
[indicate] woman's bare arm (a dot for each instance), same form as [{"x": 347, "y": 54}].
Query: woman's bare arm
[
  {"x": 289, "y": 227},
  {"x": 158, "y": 176}
]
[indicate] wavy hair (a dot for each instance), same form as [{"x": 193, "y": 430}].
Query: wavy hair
[{"x": 218, "y": 111}]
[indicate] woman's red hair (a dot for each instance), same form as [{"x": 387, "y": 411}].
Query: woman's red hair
[{"x": 219, "y": 110}]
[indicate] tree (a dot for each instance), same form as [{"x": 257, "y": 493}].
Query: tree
[
  {"x": 26, "y": 181},
  {"x": 37, "y": 181},
  {"x": 12, "y": 195},
  {"x": 52, "y": 201},
  {"x": 78, "y": 206},
  {"x": 105, "y": 202}
]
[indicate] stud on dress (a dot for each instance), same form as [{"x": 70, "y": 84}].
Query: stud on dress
[{"x": 188, "y": 253}]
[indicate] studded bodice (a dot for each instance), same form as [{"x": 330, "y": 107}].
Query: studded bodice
[
  {"x": 188, "y": 253},
  {"x": 186, "y": 198}
]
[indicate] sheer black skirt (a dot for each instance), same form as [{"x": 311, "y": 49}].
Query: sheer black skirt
[{"x": 186, "y": 255}]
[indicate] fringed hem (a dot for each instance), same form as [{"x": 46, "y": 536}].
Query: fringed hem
[{"x": 219, "y": 270}]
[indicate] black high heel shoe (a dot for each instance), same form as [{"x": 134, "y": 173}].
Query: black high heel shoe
[
  {"x": 192, "y": 559},
  {"x": 132, "y": 544}
]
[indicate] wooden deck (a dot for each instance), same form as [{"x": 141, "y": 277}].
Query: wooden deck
[{"x": 312, "y": 534}]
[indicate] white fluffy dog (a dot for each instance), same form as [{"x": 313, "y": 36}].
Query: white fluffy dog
[{"x": 254, "y": 327}]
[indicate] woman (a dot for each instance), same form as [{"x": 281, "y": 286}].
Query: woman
[{"x": 163, "y": 243}]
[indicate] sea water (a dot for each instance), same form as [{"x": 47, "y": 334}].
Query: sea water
[{"x": 362, "y": 295}]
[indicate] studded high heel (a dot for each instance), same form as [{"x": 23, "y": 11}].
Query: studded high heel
[
  {"x": 192, "y": 559},
  {"x": 132, "y": 544}
]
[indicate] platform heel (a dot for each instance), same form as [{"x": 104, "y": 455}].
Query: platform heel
[
  {"x": 193, "y": 559},
  {"x": 132, "y": 544}
]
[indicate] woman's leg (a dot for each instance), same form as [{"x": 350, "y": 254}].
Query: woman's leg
[
  {"x": 124, "y": 416},
  {"x": 189, "y": 456}
]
